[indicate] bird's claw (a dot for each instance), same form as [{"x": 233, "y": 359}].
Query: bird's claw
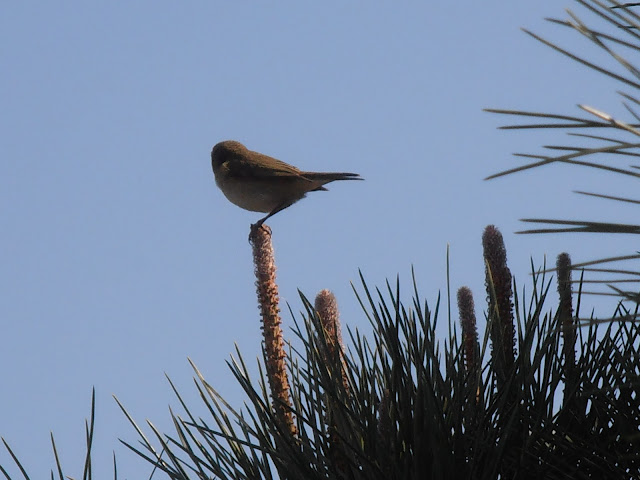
[{"x": 254, "y": 230}]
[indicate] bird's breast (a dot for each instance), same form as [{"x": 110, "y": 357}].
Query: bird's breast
[{"x": 257, "y": 195}]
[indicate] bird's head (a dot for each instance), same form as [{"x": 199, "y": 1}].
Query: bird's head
[{"x": 223, "y": 151}]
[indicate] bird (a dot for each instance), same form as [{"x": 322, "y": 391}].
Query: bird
[{"x": 259, "y": 183}]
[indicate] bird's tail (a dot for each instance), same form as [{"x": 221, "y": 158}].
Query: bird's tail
[{"x": 327, "y": 177}]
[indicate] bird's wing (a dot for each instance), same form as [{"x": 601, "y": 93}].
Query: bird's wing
[{"x": 265, "y": 167}]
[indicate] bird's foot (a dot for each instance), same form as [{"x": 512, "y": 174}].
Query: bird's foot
[{"x": 254, "y": 230}]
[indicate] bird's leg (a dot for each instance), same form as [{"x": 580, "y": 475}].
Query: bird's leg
[{"x": 258, "y": 224}]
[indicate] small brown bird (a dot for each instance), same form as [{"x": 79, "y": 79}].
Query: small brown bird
[{"x": 260, "y": 183}]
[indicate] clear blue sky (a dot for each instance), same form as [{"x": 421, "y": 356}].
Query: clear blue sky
[{"x": 120, "y": 257}]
